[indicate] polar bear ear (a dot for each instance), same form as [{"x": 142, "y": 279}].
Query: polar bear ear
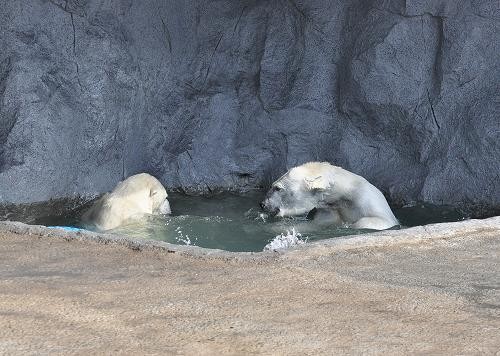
[{"x": 317, "y": 183}]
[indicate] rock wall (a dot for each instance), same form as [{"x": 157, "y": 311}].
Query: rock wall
[{"x": 228, "y": 94}]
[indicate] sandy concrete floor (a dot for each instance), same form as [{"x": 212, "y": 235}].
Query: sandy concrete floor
[{"x": 66, "y": 296}]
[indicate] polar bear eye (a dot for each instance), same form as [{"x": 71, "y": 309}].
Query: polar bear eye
[{"x": 277, "y": 189}]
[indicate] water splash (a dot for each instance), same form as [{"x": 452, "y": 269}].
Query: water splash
[
  {"x": 287, "y": 240},
  {"x": 182, "y": 238},
  {"x": 185, "y": 241}
]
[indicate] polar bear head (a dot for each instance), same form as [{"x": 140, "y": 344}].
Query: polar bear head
[
  {"x": 299, "y": 190},
  {"x": 136, "y": 196},
  {"x": 159, "y": 201},
  {"x": 144, "y": 188}
]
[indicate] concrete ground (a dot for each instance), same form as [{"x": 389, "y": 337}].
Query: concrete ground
[{"x": 432, "y": 290}]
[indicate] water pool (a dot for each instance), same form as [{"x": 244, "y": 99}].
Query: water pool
[{"x": 235, "y": 223}]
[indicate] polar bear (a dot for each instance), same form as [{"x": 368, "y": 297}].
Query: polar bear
[
  {"x": 136, "y": 196},
  {"x": 344, "y": 197}
]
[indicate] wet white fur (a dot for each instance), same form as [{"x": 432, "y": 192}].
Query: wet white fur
[
  {"x": 349, "y": 198},
  {"x": 136, "y": 196}
]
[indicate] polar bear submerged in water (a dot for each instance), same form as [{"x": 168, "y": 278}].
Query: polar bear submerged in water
[
  {"x": 343, "y": 197},
  {"x": 136, "y": 196}
]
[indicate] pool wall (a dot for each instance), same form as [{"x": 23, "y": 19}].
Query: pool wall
[{"x": 229, "y": 94}]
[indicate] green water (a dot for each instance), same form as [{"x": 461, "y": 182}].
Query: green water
[{"x": 235, "y": 222}]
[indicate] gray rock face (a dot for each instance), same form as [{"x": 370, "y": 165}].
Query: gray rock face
[{"x": 229, "y": 94}]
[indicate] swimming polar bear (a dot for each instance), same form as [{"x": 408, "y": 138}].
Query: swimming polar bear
[
  {"x": 345, "y": 197},
  {"x": 136, "y": 196}
]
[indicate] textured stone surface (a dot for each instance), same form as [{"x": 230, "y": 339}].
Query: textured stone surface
[
  {"x": 433, "y": 293},
  {"x": 228, "y": 94}
]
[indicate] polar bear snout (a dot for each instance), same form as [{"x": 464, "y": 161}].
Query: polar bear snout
[
  {"x": 271, "y": 203},
  {"x": 269, "y": 208},
  {"x": 165, "y": 208}
]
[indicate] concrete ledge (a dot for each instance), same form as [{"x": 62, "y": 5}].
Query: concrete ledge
[
  {"x": 430, "y": 290},
  {"x": 411, "y": 235}
]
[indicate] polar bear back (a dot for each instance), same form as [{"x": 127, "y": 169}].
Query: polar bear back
[
  {"x": 371, "y": 203},
  {"x": 364, "y": 198}
]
